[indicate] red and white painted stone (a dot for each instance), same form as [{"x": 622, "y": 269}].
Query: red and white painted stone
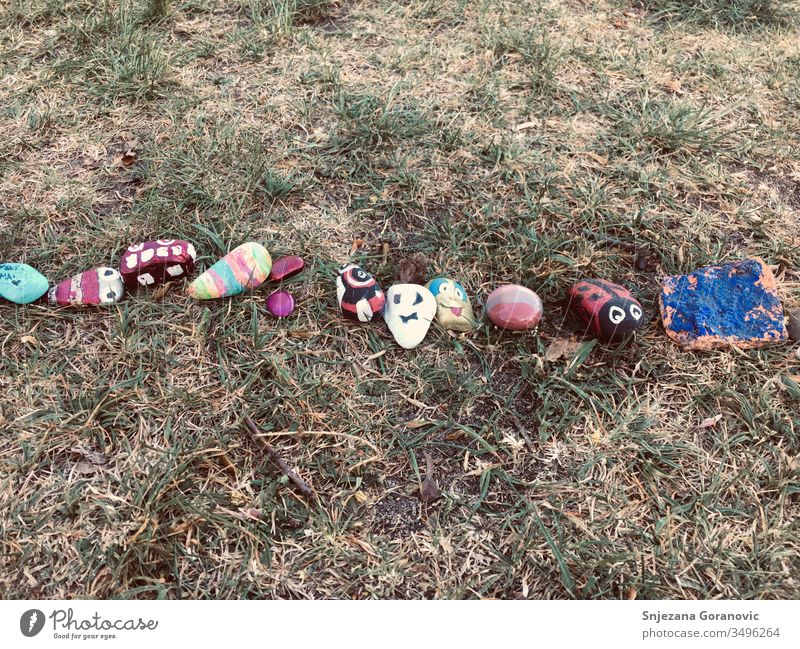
[
  {"x": 94, "y": 287},
  {"x": 156, "y": 262}
]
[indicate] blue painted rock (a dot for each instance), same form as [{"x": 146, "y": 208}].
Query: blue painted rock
[
  {"x": 409, "y": 311},
  {"x": 718, "y": 306},
  {"x": 21, "y": 283},
  {"x": 95, "y": 287},
  {"x": 280, "y": 304},
  {"x": 514, "y": 307},
  {"x": 156, "y": 262},
  {"x": 609, "y": 310},
  {"x": 286, "y": 267},
  {"x": 453, "y": 308},
  {"x": 243, "y": 268},
  {"x": 359, "y": 295}
]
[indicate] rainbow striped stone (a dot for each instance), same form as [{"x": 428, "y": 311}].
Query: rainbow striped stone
[{"x": 242, "y": 269}]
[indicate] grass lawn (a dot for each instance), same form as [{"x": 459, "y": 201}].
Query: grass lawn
[{"x": 506, "y": 140}]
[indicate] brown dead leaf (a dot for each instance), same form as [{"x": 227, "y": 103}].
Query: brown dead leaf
[
  {"x": 86, "y": 468},
  {"x": 561, "y": 348},
  {"x": 710, "y": 422},
  {"x": 620, "y": 23},
  {"x": 429, "y": 490},
  {"x": 525, "y": 126},
  {"x": 160, "y": 292},
  {"x": 29, "y": 340},
  {"x": 599, "y": 159},
  {"x": 95, "y": 457},
  {"x": 673, "y": 85},
  {"x": 357, "y": 243}
]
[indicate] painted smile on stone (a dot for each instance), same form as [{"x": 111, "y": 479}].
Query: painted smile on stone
[{"x": 409, "y": 311}]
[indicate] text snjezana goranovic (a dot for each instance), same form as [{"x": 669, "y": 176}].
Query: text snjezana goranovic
[{"x": 659, "y": 616}]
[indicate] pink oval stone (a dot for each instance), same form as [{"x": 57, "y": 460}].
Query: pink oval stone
[
  {"x": 514, "y": 307},
  {"x": 280, "y": 304},
  {"x": 286, "y": 267}
]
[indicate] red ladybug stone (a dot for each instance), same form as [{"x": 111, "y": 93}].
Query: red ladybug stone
[{"x": 609, "y": 310}]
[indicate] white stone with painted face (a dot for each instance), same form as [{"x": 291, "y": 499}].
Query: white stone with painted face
[{"x": 408, "y": 313}]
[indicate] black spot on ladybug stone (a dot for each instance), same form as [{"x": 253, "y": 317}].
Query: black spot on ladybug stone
[{"x": 609, "y": 310}]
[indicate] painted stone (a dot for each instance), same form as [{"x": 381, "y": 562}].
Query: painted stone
[
  {"x": 21, "y": 283},
  {"x": 286, "y": 267},
  {"x": 514, "y": 307},
  {"x": 243, "y": 268},
  {"x": 359, "y": 295},
  {"x": 410, "y": 309},
  {"x": 720, "y": 306},
  {"x": 94, "y": 287},
  {"x": 156, "y": 262},
  {"x": 280, "y": 304},
  {"x": 453, "y": 307},
  {"x": 609, "y": 310},
  {"x": 794, "y": 325}
]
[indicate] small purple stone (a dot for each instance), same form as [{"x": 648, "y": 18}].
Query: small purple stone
[
  {"x": 286, "y": 267},
  {"x": 280, "y": 304}
]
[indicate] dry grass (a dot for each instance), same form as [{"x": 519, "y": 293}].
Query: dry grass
[{"x": 486, "y": 135}]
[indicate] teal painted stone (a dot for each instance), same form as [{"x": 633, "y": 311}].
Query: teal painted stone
[{"x": 21, "y": 283}]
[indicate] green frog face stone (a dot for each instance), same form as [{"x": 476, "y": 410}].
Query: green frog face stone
[{"x": 453, "y": 308}]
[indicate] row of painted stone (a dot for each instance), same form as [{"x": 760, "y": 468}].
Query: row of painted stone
[
  {"x": 153, "y": 263},
  {"x": 608, "y": 309},
  {"x": 714, "y": 307}
]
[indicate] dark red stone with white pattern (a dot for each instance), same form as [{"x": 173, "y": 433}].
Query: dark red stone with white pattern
[{"x": 156, "y": 262}]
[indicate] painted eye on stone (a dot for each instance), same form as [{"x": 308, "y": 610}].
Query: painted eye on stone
[
  {"x": 108, "y": 272},
  {"x": 635, "y": 311},
  {"x": 616, "y": 314},
  {"x": 397, "y": 298},
  {"x": 418, "y": 299}
]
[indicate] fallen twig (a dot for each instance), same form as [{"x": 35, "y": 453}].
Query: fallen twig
[
  {"x": 273, "y": 454},
  {"x": 642, "y": 253}
]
